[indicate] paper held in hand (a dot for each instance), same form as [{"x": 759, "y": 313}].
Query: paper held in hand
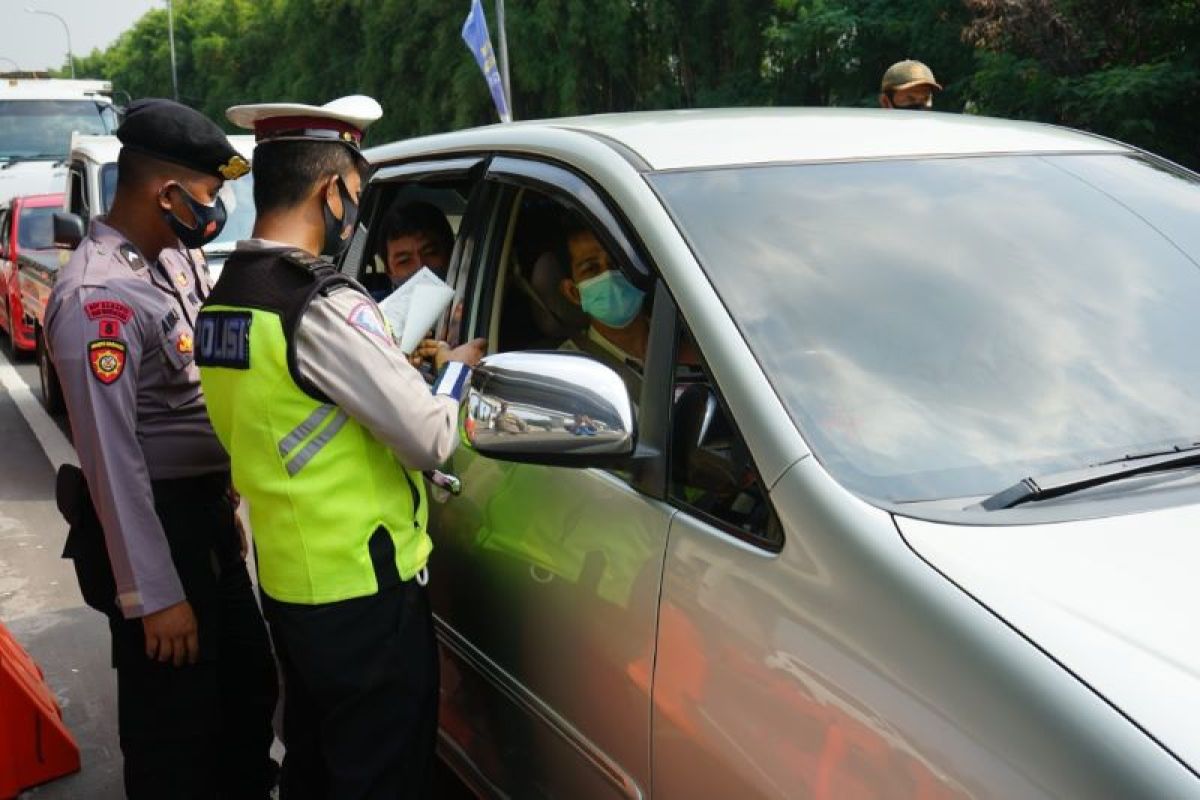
[{"x": 414, "y": 308}]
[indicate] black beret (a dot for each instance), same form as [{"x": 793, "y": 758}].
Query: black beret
[{"x": 174, "y": 132}]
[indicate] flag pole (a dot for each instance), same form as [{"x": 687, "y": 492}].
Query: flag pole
[
  {"x": 504, "y": 56},
  {"x": 171, "y": 38}
]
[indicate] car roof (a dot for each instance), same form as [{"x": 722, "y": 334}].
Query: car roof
[
  {"x": 55, "y": 89},
  {"x": 41, "y": 200},
  {"x": 104, "y": 148},
  {"x": 663, "y": 140}
]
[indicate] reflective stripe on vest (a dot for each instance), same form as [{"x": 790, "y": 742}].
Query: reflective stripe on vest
[{"x": 295, "y": 462}]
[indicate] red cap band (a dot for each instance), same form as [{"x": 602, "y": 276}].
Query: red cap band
[{"x": 307, "y": 127}]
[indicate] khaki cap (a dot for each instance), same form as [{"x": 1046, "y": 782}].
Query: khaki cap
[{"x": 904, "y": 74}]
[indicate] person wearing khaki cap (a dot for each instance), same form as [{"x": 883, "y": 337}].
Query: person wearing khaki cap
[{"x": 908, "y": 85}]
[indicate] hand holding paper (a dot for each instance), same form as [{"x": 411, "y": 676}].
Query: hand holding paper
[{"x": 414, "y": 308}]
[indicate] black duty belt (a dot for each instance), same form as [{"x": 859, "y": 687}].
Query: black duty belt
[{"x": 193, "y": 487}]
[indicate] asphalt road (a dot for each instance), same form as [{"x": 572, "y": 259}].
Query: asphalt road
[
  {"x": 41, "y": 606},
  {"x": 39, "y": 598}
]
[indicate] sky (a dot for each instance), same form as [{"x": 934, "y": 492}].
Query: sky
[{"x": 36, "y": 41}]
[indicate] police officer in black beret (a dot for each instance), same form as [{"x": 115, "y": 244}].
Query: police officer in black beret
[{"x": 154, "y": 536}]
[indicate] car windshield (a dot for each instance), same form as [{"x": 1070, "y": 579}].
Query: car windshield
[
  {"x": 41, "y": 129},
  {"x": 941, "y": 328},
  {"x": 35, "y": 228}
]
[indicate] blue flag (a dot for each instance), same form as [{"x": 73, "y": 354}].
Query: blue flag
[{"x": 475, "y": 34}]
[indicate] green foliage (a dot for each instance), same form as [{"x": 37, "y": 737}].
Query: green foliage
[{"x": 1125, "y": 68}]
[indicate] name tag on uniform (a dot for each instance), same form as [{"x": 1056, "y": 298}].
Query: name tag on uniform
[{"x": 223, "y": 339}]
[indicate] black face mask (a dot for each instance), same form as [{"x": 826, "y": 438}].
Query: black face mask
[
  {"x": 337, "y": 231},
  {"x": 914, "y": 107},
  {"x": 209, "y": 220}
]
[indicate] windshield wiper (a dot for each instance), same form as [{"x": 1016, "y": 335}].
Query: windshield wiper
[{"x": 1057, "y": 484}]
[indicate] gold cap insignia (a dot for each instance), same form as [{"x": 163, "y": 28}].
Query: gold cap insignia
[{"x": 234, "y": 168}]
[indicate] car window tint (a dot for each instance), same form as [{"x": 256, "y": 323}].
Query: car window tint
[
  {"x": 108, "y": 189},
  {"x": 712, "y": 473}
]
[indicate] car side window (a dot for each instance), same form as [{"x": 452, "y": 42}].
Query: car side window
[
  {"x": 712, "y": 474},
  {"x": 561, "y": 285},
  {"x": 108, "y": 186},
  {"x": 4, "y": 232},
  {"x": 78, "y": 194},
  {"x": 408, "y": 226}
]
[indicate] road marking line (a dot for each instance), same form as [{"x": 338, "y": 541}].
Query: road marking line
[{"x": 54, "y": 444}]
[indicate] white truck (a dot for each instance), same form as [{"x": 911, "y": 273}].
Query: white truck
[{"x": 37, "y": 120}]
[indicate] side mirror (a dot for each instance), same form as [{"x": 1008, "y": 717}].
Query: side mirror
[
  {"x": 565, "y": 409},
  {"x": 68, "y": 230}
]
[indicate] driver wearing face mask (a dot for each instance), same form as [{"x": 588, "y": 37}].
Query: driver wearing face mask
[
  {"x": 619, "y": 320},
  {"x": 153, "y": 535}
]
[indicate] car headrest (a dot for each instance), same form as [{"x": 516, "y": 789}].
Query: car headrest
[{"x": 555, "y": 316}]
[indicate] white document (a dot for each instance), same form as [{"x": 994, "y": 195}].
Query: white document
[{"x": 414, "y": 308}]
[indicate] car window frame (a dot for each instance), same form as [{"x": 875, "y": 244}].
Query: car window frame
[
  {"x": 509, "y": 173},
  {"x": 772, "y": 544},
  {"x": 373, "y": 208}
]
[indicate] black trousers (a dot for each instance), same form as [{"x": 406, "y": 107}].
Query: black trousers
[
  {"x": 199, "y": 731},
  {"x": 360, "y": 695}
]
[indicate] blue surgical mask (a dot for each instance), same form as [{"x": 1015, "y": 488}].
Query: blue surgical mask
[{"x": 611, "y": 298}]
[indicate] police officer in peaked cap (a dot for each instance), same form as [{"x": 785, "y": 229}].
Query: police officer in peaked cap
[
  {"x": 329, "y": 427},
  {"x": 154, "y": 535}
]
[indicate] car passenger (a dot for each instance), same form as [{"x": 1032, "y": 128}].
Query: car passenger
[
  {"x": 619, "y": 324},
  {"x": 414, "y": 236}
]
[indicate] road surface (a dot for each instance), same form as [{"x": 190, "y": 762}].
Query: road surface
[{"x": 39, "y": 598}]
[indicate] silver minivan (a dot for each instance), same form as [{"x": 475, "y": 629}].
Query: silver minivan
[{"x": 893, "y": 491}]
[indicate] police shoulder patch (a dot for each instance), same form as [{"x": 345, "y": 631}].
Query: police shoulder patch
[
  {"x": 107, "y": 359},
  {"x": 365, "y": 316},
  {"x": 108, "y": 309},
  {"x": 223, "y": 339}
]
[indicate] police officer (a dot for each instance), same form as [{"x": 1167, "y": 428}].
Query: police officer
[
  {"x": 153, "y": 533},
  {"x": 909, "y": 86},
  {"x": 328, "y": 427}
]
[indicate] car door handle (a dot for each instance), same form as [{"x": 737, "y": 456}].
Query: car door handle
[{"x": 445, "y": 480}]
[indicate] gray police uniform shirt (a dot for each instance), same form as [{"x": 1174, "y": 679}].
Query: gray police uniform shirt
[
  {"x": 121, "y": 333},
  {"x": 344, "y": 349}
]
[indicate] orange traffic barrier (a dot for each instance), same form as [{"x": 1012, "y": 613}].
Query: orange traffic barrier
[{"x": 35, "y": 745}]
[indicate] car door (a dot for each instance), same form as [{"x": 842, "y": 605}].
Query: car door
[{"x": 544, "y": 580}]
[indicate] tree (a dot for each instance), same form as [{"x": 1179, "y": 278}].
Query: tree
[{"x": 1124, "y": 68}]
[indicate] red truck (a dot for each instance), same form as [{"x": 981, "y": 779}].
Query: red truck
[{"x": 28, "y": 261}]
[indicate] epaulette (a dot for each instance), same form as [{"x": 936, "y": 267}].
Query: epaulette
[
  {"x": 132, "y": 257},
  {"x": 307, "y": 260}
]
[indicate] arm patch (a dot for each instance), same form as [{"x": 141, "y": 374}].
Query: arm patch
[
  {"x": 223, "y": 339},
  {"x": 107, "y": 359}
]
